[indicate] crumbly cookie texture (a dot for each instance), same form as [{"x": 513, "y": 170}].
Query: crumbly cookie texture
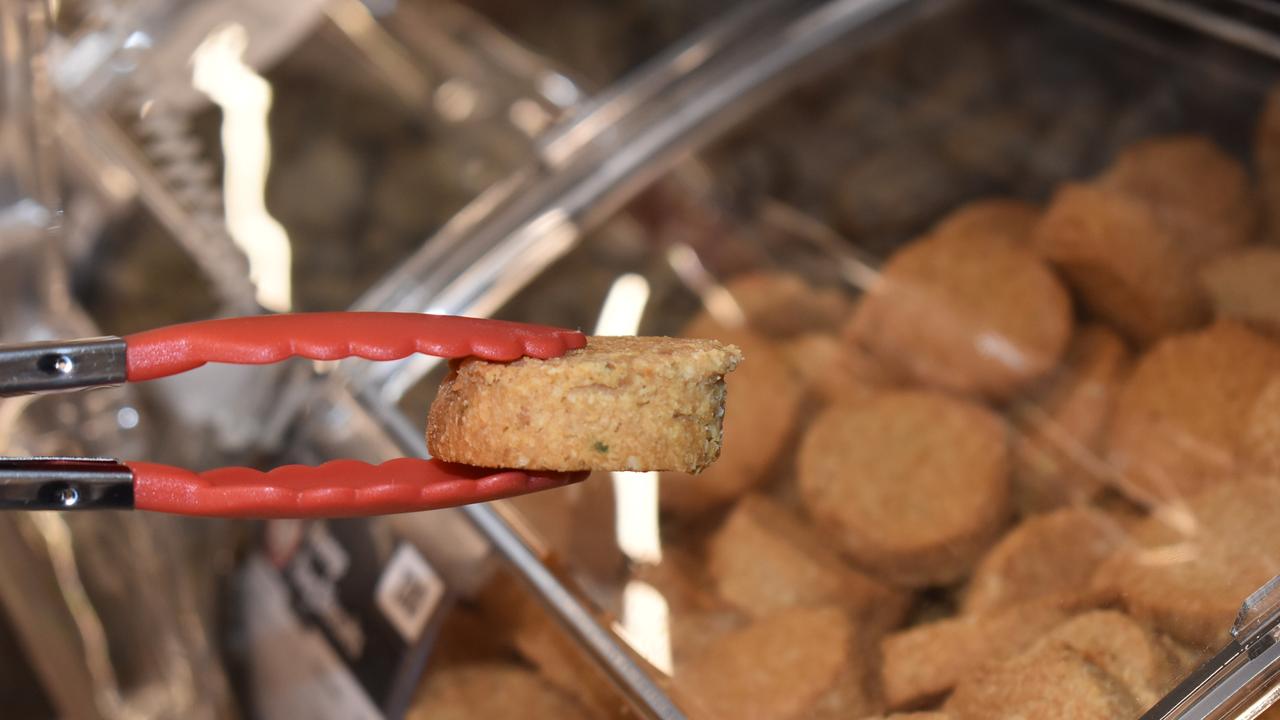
[
  {"x": 620, "y": 403},
  {"x": 914, "y": 485},
  {"x": 1181, "y": 415},
  {"x": 971, "y": 314},
  {"x": 1124, "y": 264}
]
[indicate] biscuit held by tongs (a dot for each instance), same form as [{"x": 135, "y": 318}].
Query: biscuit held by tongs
[
  {"x": 620, "y": 403},
  {"x": 335, "y": 489}
]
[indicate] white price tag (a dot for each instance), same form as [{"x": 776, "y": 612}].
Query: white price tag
[{"x": 408, "y": 592}]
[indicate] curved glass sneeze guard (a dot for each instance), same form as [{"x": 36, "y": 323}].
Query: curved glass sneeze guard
[{"x": 824, "y": 187}]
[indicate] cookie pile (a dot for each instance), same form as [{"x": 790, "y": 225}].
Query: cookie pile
[{"x": 1028, "y": 472}]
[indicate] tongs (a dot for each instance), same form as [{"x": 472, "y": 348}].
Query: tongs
[{"x": 341, "y": 488}]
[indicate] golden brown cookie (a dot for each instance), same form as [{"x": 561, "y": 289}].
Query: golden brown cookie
[
  {"x": 621, "y": 403},
  {"x": 697, "y": 616},
  {"x": 778, "y": 668},
  {"x": 782, "y": 304},
  {"x": 913, "y": 485},
  {"x": 1180, "y": 414},
  {"x": 765, "y": 405},
  {"x": 482, "y": 691},
  {"x": 1189, "y": 569},
  {"x": 511, "y": 611},
  {"x": 1123, "y": 648},
  {"x": 920, "y": 664},
  {"x": 1006, "y": 217},
  {"x": 1052, "y": 682},
  {"x": 1050, "y": 557},
  {"x": 1125, "y": 266},
  {"x": 1199, "y": 194},
  {"x": 912, "y": 716},
  {"x": 1260, "y": 443},
  {"x": 764, "y": 559},
  {"x": 1244, "y": 285},
  {"x": 1059, "y": 428},
  {"x": 1267, "y": 157},
  {"x": 833, "y": 370},
  {"x": 975, "y": 314}
]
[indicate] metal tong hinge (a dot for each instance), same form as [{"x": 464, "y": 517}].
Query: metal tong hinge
[
  {"x": 63, "y": 483},
  {"x": 62, "y": 365}
]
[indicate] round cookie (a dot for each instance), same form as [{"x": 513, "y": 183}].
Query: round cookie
[
  {"x": 922, "y": 663},
  {"x": 764, "y": 559},
  {"x": 1260, "y": 443},
  {"x": 914, "y": 485},
  {"x": 836, "y": 371},
  {"x": 1187, "y": 573},
  {"x": 765, "y": 404},
  {"x": 1005, "y": 217},
  {"x": 1180, "y": 414},
  {"x": 1125, "y": 266},
  {"x": 1048, "y": 557},
  {"x": 490, "y": 690},
  {"x": 782, "y": 304},
  {"x": 1049, "y": 682},
  {"x": 975, "y": 314},
  {"x": 1244, "y": 285},
  {"x": 1197, "y": 192},
  {"x": 777, "y": 668},
  {"x": 1123, "y": 648},
  {"x": 1060, "y": 428}
]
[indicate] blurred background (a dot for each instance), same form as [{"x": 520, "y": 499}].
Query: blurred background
[{"x": 591, "y": 164}]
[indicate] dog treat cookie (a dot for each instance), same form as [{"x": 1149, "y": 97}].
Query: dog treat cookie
[
  {"x": 914, "y": 485},
  {"x": 1123, "y": 648},
  {"x": 1260, "y": 444},
  {"x": 1198, "y": 193},
  {"x": 764, "y": 559},
  {"x": 922, "y": 663},
  {"x": 490, "y": 690},
  {"x": 1006, "y": 217},
  {"x": 1059, "y": 429},
  {"x": 1180, "y": 415},
  {"x": 697, "y": 616},
  {"x": 1049, "y": 557},
  {"x": 1244, "y": 285},
  {"x": 621, "y": 403},
  {"x": 975, "y": 314},
  {"x": 837, "y": 371},
  {"x": 1126, "y": 267},
  {"x": 781, "y": 304},
  {"x": 1267, "y": 158},
  {"x": 912, "y": 716},
  {"x": 777, "y": 668},
  {"x": 1188, "y": 571},
  {"x": 1052, "y": 682},
  {"x": 766, "y": 402}
]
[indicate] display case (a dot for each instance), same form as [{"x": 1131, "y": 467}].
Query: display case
[
  {"x": 1002, "y": 274},
  {"x": 954, "y": 478}
]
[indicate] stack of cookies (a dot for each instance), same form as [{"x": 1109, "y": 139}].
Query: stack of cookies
[{"x": 1030, "y": 471}]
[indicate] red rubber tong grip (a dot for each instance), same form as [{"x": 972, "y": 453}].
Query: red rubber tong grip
[
  {"x": 332, "y": 336},
  {"x": 342, "y": 488}
]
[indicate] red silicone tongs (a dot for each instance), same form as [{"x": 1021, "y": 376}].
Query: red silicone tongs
[{"x": 341, "y": 488}]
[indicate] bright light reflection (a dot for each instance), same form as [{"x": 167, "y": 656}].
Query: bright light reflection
[
  {"x": 717, "y": 300},
  {"x": 245, "y": 99},
  {"x": 646, "y": 624}
]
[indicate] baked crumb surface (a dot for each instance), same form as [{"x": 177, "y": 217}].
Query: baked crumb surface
[{"x": 621, "y": 403}]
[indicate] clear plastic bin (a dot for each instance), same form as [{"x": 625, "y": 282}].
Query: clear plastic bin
[{"x": 983, "y": 369}]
